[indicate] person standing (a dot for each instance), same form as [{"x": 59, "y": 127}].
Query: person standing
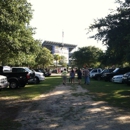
[
  {"x": 64, "y": 76},
  {"x": 86, "y": 75},
  {"x": 72, "y": 76},
  {"x": 79, "y": 74}
]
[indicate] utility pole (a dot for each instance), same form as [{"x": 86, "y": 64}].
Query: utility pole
[{"x": 62, "y": 39}]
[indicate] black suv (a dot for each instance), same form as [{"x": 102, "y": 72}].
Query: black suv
[
  {"x": 31, "y": 74},
  {"x": 117, "y": 71},
  {"x": 101, "y": 75}
]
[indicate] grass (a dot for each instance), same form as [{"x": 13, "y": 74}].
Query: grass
[
  {"x": 115, "y": 94},
  {"x": 32, "y": 90}
]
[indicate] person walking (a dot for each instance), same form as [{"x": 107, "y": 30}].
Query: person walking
[
  {"x": 79, "y": 74},
  {"x": 64, "y": 76},
  {"x": 72, "y": 76},
  {"x": 86, "y": 75}
]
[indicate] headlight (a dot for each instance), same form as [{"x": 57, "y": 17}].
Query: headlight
[{"x": 4, "y": 80}]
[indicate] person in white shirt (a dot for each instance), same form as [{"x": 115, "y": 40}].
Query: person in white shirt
[{"x": 64, "y": 76}]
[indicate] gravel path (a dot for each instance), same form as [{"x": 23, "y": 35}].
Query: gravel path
[{"x": 70, "y": 108}]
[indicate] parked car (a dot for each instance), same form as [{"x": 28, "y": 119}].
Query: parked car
[
  {"x": 38, "y": 77},
  {"x": 117, "y": 78},
  {"x": 125, "y": 76},
  {"x": 117, "y": 71},
  {"x": 30, "y": 73},
  {"x": 46, "y": 73},
  {"x": 128, "y": 80},
  {"x": 3, "y": 82},
  {"x": 101, "y": 75},
  {"x": 95, "y": 71},
  {"x": 15, "y": 79}
]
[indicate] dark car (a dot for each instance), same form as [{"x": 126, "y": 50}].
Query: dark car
[
  {"x": 128, "y": 80},
  {"x": 101, "y": 75},
  {"x": 15, "y": 79},
  {"x": 117, "y": 71},
  {"x": 30, "y": 73},
  {"x": 125, "y": 76}
]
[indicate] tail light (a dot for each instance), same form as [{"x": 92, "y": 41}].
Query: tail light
[{"x": 28, "y": 76}]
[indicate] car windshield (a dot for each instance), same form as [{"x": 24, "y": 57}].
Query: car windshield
[
  {"x": 28, "y": 70},
  {"x": 116, "y": 70},
  {"x": 105, "y": 70}
]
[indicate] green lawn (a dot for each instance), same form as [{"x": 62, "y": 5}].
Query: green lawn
[
  {"x": 114, "y": 94},
  {"x": 32, "y": 90}
]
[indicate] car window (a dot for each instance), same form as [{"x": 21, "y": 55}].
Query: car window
[
  {"x": 18, "y": 70},
  {"x": 94, "y": 71},
  {"x": 28, "y": 70},
  {"x": 104, "y": 71},
  {"x": 99, "y": 70},
  {"x": 116, "y": 70},
  {"x": 111, "y": 70}
]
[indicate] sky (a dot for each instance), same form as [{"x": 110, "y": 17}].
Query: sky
[{"x": 52, "y": 18}]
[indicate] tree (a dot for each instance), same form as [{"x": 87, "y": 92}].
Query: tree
[
  {"x": 87, "y": 56},
  {"x": 44, "y": 57},
  {"x": 15, "y": 33},
  {"x": 114, "y": 31},
  {"x": 24, "y": 59},
  {"x": 57, "y": 58},
  {"x": 62, "y": 61}
]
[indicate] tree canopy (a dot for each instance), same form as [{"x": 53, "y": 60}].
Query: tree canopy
[
  {"x": 114, "y": 31},
  {"x": 44, "y": 57},
  {"x": 87, "y": 56},
  {"x": 16, "y": 37},
  {"x": 17, "y": 45}
]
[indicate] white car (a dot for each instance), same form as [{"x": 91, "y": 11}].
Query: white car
[
  {"x": 117, "y": 78},
  {"x": 95, "y": 71},
  {"x": 3, "y": 82},
  {"x": 38, "y": 77}
]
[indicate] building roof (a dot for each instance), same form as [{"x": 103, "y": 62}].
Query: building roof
[{"x": 70, "y": 46}]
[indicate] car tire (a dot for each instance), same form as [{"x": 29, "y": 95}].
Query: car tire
[{"x": 13, "y": 84}]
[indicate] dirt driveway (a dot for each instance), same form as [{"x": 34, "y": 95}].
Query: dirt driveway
[{"x": 70, "y": 108}]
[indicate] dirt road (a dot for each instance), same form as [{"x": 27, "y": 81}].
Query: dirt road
[{"x": 71, "y": 108}]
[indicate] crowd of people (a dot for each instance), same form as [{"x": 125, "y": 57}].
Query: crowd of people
[{"x": 76, "y": 75}]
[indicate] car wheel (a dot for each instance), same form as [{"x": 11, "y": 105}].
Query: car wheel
[
  {"x": 13, "y": 84},
  {"x": 37, "y": 80}
]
